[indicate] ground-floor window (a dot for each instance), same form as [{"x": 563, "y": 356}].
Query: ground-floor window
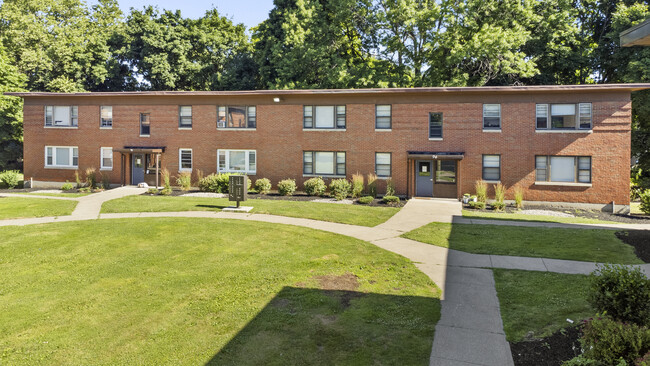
[
  {"x": 324, "y": 163},
  {"x": 383, "y": 164},
  {"x": 237, "y": 161},
  {"x": 446, "y": 171},
  {"x": 492, "y": 167},
  {"x": 62, "y": 156},
  {"x": 185, "y": 160},
  {"x": 106, "y": 160},
  {"x": 563, "y": 169}
]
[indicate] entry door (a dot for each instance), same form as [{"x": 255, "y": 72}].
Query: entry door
[
  {"x": 424, "y": 178},
  {"x": 137, "y": 171}
]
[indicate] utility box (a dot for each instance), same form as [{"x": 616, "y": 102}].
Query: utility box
[{"x": 238, "y": 188}]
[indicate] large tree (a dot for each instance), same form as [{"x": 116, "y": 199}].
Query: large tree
[{"x": 11, "y": 114}]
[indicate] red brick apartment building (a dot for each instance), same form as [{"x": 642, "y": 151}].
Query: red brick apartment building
[{"x": 560, "y": 143}]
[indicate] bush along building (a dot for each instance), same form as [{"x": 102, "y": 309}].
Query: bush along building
[{"x": 567, "y": 144}]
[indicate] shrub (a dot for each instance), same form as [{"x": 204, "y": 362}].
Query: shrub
[
  {"x": 184, "y": 180},
  {"x": 390, "y": 199},
  {"x": 499, "y": 192},
  {"x": 167, "y": 186},
  {"x": 340, "y": 188},
  {"x": 477, "y": 205},
  {"x": 166, "y": 191},
  {"x": 152, "y": 191},
  {"x": 390, "y": 187},
  {"x": 286, "y": 187},
  {"x": 263, "y": 185},
  {"x": 519, "y": 197},
  {"x": 77, "y": 179},
  {"x": 84, "y": 189},
  {"x": 498, "y": 206},
  {"x": 10, "y": 178},
  {"x": 622, "y": 292},
  {"x": 357, "y": 185},
  {"x": 217, "y": 183},
  {"x": 366, "y": 199},
  {"x": 581, "y": 361},
  {"x": 91, "y": 177},
  {"x": 372, "y": 185},
  {"x": 106, "y": 181},
  {"x": 481, "y": 190},
  {"x": 608, "y": 341},
  {"x": 645, "y": 201},
  {"x": 67, "y": 186},
  {"x": 315, "y": 186}
]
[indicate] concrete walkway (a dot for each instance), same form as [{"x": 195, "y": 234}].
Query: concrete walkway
[{"x": 470, "y": 330}]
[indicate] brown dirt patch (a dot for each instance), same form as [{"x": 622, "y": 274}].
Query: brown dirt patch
[
  {"x": 640, "y": 240},
  {"x": 347, "y": 282},
  {"x": 560, "y": 346}
]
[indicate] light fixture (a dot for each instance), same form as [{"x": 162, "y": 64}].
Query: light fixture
[{"x": 276, "y": 100}]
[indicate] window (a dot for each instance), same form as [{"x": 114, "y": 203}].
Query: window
[
  {"x": 106, "y": 116},
  {"x": 383, "y": 117},
  {"x": 185, "y": 116},
  {"x": 323, "y": 163},
  {"x": 383, "y": 164},
  {"x": 492, "y": 167},
  {"x": 563, "y": 116},
  {"x": 325, "y": 117},
  {"x": 61, "y": 116},
  {"x": 237, "y": 161},
  {"x": 61, "y": 156},
  {"x": 491, "y": 116},
  {"x": 184, "y": 160},
  {"x": 106, "y": 162},
  {"x": 563, "y": 169},
  {"x": 236, "y": 117},
  {"x": 435, "y": 125},
  {"x": 145, "y": 127},
  {"x": 446, "y": 171}
]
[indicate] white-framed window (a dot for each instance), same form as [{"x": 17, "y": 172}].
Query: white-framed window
[
  {"x": 563, "y": 169},
  {"x": 184, "y": 160},
  {"x": 324, "y": 117},
  {"x": 327, "y": 163},
  {"x": 237, "y": 161},
  {"x": 492, "y": 167},
  {"x": 106, "y": 116},
  {"x": 61, "y": 116},
  {"x": 383, "y": 117},
  {"x": 491, "y": 116},
  {"x": 383, "y": 164},
  {"x": 61, "y": 156},
  {"x": 563, "y": 116},
  {"x": 237, "y": 117},
  {"x": 185, "y": 116},
  {"x": 106, "y": 159}
]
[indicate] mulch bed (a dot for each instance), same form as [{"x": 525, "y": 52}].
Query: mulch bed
[
  {"x": 640, "y": 240},
  {"x": 560, "y": 346},
  {"x": 590, "y": 214}
]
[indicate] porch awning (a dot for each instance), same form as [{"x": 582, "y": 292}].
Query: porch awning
[
  {"x": 142, "y": 149},
  {"x": 443, "y": 155}
]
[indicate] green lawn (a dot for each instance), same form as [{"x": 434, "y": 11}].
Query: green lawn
[
  {"x": 346, "y": 214},
  {"x": 190, "y": 291},
  {"x": 69, "y": 195},
  {"x": 541, "y": 218},
  {"x": 21, "y": 207},
  {"x": 540, "y": 302},
  {"x": 589, "y": 245}
]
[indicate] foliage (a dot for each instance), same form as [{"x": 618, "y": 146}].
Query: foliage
[
  {"x": 11, "y": 113},
  {"x": 10, "y": 178},
  {"x": 77, "y": 179},
  {"x": 199, "y": 175},
  {"x": 581, "y": 360},
  {"x": 499, "y": 196},
  {"x": 644, "y": 197},
  {"x": 340, "y": 188},
  {"x": 91, "y": 177},
  {"x": 478, "y": 205},
  {"x": 167, "y": 186},
  {"x": 106, "y": 180},
  {"x": 607, "y": 340},
  {"x": 366, "y": 200},
  {"x": 357, "y": 185},
  {"x": 390, "y": 187},
  {"x": 622, "y": 293},
  {"x": 152, "y": 191},
  {"x": 67, "y": 186},
  {"x": 286, "y": 187},
  {"x": 519, "y": 197},
  {"x": 315, "y": 186},
  {"x": 217, "y": 183},
  {"x": 263, "y": 186},
  {"x": 166, "y": 191},
  {"x": 184, "y": 180},
  {"x": 390, "y": 199},
  {"x": 481, "y": 190},
  {"x": 372, "y": 185}
]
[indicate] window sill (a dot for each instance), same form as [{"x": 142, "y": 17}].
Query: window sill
[
  {"x": 322, "y": 176},
  {"x": 449, "y": 183},
  {"x": 492, "y": 181},
  {"x": 435, "y": 138},
  {"x": 497, "y": 130},
  {"x": 106, "y": 128},
  {"x": 106, "y": 169},
  {"x": 62, "y": 167},
  {"x": 236, "y": 172},
  {"x": 185, "y": 128},
  {"x": 325, "y": 129},
  {"x": 145, "y": 135},
  {"x": 563, "y": 184},
  {"x": 564, "y": 131},
  {"x": 185, "y": 170},
  {"x": 383, "y": 129},
  {"x": 63, "y": 127},
  {"x": 235, "y": 129}
]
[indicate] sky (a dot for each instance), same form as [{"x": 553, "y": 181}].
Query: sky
[{"x": 249, "y": 12}]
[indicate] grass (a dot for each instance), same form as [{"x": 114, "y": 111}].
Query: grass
[
  {"x": 539, "y": 218},
  {"x": 537, "y": 304},
  {"x": 69, "y": 195},
  {"x": 590, "y": 245},
  {"x": 21, "y": 207},
  {"x": 193, "y": 291},
  {"x": 346, "y": 214}
]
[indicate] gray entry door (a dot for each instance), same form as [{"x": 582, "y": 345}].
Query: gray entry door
[
  {"x": 424, "y": 178},
  {"x": 137, "y": 171}
]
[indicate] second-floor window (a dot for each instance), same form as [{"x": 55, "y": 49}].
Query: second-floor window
[
  {"x": 106, "y": 116},
  {"x": 236, "y": 117},
  {"x": 491, "y": 116},
  {"x": 145, "y": 125},
  {"x": 61, "y": 116},
  {"x": 185, "y": 116},
  {"x": 383, "y": 117},
  {"x": 435, "y": 125},
  {"x": 324, "y": 116},
  {"x": 563, "y": 116}
]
